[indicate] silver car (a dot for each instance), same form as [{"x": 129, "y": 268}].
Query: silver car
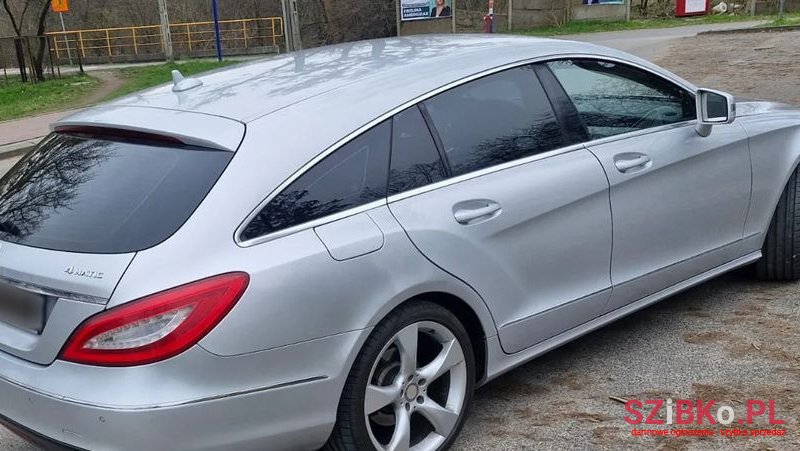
[{"x": 335, "y": 247}]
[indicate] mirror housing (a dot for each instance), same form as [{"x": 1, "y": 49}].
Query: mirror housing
[{"x": 713, "y": 108}]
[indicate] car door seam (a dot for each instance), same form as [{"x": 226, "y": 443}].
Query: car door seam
[{"x": 489, "y": 310}]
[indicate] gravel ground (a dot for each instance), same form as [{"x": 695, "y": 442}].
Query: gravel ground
[{"x": 731, "y": 339}]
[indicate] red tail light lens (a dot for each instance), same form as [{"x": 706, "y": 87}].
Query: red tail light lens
[{"x": 156, "y": 327}]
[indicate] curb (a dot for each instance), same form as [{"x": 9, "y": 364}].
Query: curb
[
  {"x": 753, "y": 30},
  {"x": 18, "y": 148}
]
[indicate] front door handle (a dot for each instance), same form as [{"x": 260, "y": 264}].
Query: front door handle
[
  {"x": 473, "y": 211},
  {"x": 626, "y": 162}
]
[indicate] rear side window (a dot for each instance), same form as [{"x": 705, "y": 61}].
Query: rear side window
[
  {"x": 495, "y": 119},
  {"x": 353, "y": 175},
  {"x": 415, "y": 159},
  {"x": 77, "y": 193}
]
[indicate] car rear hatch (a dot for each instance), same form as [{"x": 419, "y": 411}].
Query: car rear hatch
[
  {"x": 45, "y": 295},
  {"x": 73, "y": 214}
]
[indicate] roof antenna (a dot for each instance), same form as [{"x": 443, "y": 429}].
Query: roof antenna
[{"x": 182, "y": 83}]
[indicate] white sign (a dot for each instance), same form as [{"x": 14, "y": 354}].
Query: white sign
[{"x": 695, "y": 6}]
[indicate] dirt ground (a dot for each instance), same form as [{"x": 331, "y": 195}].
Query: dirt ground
[
  {"x": 760, "y": 65},
  {"x": 729, "y": 340}
]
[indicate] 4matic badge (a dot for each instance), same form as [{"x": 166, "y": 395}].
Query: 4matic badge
[{"x": 72, "y": 271}]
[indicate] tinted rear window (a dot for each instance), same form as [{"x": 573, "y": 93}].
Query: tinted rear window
[
  {"x": 353, "y": 175},
  {"x": 81, "y": 194}
]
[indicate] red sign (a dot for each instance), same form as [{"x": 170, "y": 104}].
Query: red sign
[{"x": 60, "y": 6}]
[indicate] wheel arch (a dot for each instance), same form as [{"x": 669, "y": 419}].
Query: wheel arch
[
  {"x": 462, "y": 302},
  {"x": 469, "y": 319},
  {"x": 774, "y": 142}
]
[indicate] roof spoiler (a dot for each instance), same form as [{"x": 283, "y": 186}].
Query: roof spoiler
[{"x": 190, "y": 128}]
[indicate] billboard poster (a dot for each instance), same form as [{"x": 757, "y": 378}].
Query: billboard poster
[{"x": 425, "y": 9}]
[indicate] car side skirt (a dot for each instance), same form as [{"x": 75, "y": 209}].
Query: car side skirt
[{"x": 500, "y": 362}]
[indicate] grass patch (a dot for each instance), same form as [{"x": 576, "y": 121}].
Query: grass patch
[
  {"x": 19, "y": 99},
  {"x": 787, "y": 20},
  {"x": 595, "y": 26},
  {"x": 143, "y": 77}
]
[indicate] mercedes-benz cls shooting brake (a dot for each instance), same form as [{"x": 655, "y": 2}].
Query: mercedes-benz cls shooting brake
[{"x": 335, "y": 247}]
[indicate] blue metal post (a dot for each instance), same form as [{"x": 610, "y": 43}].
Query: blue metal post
[{"x": 216, "y": 29}]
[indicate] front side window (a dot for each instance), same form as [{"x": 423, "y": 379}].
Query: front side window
[
  {"x": 353, "y": 175},
  {"x": 613, "y": 98},
  {"x": 495, "y": 119}
]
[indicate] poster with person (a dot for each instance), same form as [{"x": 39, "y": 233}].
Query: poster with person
[{"x": 425, "y": 9}]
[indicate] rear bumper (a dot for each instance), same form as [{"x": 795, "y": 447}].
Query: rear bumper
[
  {"x": 34, "y": 437},
  {"x": 295, "y": 414},
  {"x": 271, "y": 419}
]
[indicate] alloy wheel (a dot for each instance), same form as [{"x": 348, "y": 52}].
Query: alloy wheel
[{"x": 417, "y": 389}]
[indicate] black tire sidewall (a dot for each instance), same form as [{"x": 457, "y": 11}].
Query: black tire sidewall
[{"x": 351, "y": 427}]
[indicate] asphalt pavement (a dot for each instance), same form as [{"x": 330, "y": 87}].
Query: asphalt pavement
[{"x": 652, "y": 43}]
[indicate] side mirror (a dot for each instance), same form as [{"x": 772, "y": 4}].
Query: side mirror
[{"x": 713, "y": 108}]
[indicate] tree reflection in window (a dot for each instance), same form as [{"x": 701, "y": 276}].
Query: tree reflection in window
[
  {"x": 614, "y": 98},
  {"x": 353, "y": 175},
  {"x": 415, "y": 159},
  {"x": 109, "y": 194},
  {"x": 495, "y": 119},
  {"x": 45, "y": 181}
]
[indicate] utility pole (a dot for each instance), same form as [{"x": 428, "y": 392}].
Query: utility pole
[
  {"x": 780, "y": 13},
  {"x": 166, "y": 36},
  {"x": 291, "y": 25}
]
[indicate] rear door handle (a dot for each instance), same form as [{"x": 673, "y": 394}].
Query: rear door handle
[
  {"x": 628, "y": 161},
  {"x": 473, "y": 211}
]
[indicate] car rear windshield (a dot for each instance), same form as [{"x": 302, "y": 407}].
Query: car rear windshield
[{"x": 102, "y": 194}]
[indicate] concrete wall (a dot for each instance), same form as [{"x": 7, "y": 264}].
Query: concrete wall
[
  {"x": 597, "y": 12},
  {"x": 771, "y": 7},
  {"x": 427, "y": 26},
  {"x": 526, "y": 14},
  {"x": 536, "y": 13}
]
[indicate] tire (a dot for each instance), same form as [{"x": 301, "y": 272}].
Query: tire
[
  {"x": 779, "y": 261},
  {"x": 381, "y": 369}
]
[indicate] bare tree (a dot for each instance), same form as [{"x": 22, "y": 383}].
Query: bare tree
[{"x": 21, "y": 22}]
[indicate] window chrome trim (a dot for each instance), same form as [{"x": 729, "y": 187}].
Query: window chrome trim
[
  {"x": 637, "y": 133},
  {"x": 391, "y": 113},
  {"x": 485, "y": 171},
  {"x": 309, "y": 224}
]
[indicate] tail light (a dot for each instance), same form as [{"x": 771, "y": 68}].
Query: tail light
[{"x": 156, "y": 327}]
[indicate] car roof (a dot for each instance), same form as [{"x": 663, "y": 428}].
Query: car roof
[{"x": 252, "y": 90}]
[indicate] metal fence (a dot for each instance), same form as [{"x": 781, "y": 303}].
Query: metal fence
[{"x": 124, "y": 44}]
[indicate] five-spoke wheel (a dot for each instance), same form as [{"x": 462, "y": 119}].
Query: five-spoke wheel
[{"x": 412, "y": 384}]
